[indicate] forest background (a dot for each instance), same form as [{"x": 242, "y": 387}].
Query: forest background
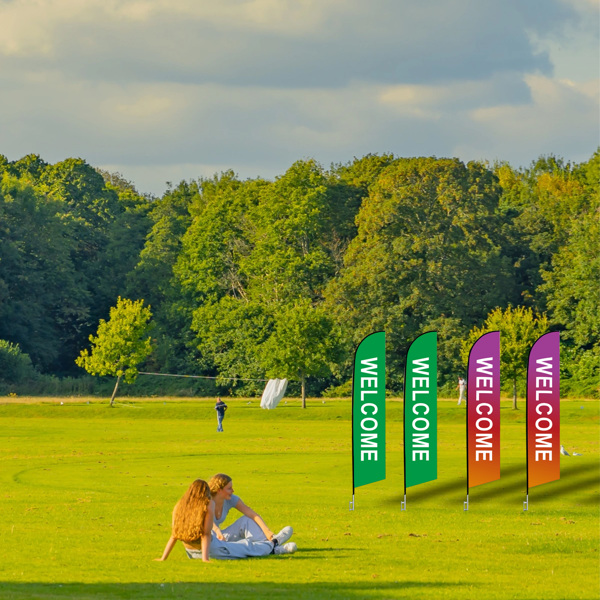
[{"x": 255, "y": 279}]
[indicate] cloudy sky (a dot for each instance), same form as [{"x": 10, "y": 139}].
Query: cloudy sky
[{"x": 164, "y": 90}]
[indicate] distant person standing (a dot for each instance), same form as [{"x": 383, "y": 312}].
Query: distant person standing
[
  {"x": 462, "y": 386},
  {"x": 220, "y": 407}
]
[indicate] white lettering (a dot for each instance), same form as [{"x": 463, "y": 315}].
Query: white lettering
[
  {"x": 546, "y": 369},
  {"x": 539, "y": 426},
  {"x": 478, "y": 424},
  {"x": 370, "y": 454},
  {"x": 419, "y": 440},
  {"x": 421, "y": 453},
  {"x": 486, "y": 366},
  {"x": 420, "y": 404},
  {"x": 363, "y": 392},
  {"x": 423, "y": 365},
  {"x": 426, "y": 426},
  {"x": 372, "y": 366},
  {"x": 479, "y": 408},
  {"x": 483, "y": 440},
  {"x": 485, "y": 454},
  {"x": 364, "y": 426},
  {"x": 543, "y": 440}
]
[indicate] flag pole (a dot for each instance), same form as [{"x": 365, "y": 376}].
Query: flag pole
[
  {"x": 526, "y": 503},
  {"x": 351, "y": 506},
  {"x": 466, "y": 504},
  {"x": 403, "y": 503}
]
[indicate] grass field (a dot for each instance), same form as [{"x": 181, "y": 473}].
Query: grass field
[{"x": 87, "y": 493}]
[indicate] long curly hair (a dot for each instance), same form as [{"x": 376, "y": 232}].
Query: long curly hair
[
  {"x": 218, "y": 482},
  {"x": 189, "y": 513}
]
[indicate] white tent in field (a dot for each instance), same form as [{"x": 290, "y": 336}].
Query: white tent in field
[{"x": 274, "y": 391}]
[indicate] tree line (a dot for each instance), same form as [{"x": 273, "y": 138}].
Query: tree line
[{"x": 249, "y": 279}]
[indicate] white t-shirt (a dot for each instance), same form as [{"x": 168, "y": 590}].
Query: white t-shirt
[{"x": 227, "y": 505}]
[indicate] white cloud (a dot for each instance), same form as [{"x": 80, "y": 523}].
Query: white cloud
[
  {"x": 436, "y": 101},
  {"x": 167, "y": 90},
  {"x": 562, "y": 119},
  {"x": 283, "y": 43}
]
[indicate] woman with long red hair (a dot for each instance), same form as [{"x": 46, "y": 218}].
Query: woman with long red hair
[{"x": 193, "y": 518}]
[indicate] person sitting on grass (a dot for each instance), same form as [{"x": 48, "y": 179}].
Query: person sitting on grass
[
  {"x": 192, "y": 524},
  {"x": 250, "y": 525}
]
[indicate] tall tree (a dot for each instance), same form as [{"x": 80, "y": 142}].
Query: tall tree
[
  {"x": 120, "y": 344},
  {"x": 42, "y": 302},
  {"x": 302, "y": 344},
  {"x": 254, "y": 251},
  {"x": 572, "y": 285},
  {"x": 428, "y": 253},
  {"x": 542, "y": 202},
  {"x": 519, "y": 329}
]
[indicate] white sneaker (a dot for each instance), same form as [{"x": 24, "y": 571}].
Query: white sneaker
[
  {"x": 288, "y": 548},
  {"x": 284, "y": 535}
]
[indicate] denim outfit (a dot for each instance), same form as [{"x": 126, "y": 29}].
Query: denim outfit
[{"x": 243, "y": 538}]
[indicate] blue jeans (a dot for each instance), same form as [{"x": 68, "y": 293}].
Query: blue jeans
[{"x": 220, "y": 418}]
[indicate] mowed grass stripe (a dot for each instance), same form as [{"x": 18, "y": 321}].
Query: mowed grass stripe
[{"x": 87, "y": 494}]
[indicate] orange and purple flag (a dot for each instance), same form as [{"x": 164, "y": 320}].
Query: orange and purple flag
[
  {"x": 483, "y": 411},
  {"x": 543, "y": 411}
]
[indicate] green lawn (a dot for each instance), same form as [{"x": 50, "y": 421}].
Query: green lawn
[{"x": 87, "y": 492}]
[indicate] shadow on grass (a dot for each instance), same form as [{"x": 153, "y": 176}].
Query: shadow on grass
[
  {"x": 224, "y": 591},
  {"x": 564, "y": 489},
  {"x": 512, "y": 481},
  {"x": 591, "y": 500},
  {"x": 455, "y": 486}
]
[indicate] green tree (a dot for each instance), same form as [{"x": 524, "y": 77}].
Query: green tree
[
  {"x": 428, "y": 254},
  {"x": 253, "y": 252},
  {"x": 42, "y": 302},
  {"x": 572, "y": 288},
  {"x": 14, "y": 365},
  {"x": 121, "y": 343},
  {"x": 302, "y": 344},
  {"x": 573, "y": 284},
  {"x": 519, "y": 329},
  {"x": 542, "y": 203},
  {"x": 289, "y": 226}
]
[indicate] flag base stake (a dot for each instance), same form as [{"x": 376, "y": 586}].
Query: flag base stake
[
  {"x": 352, "y": 503},
  {"x": 526, "y": 503},
  {"x": 466, "y": 504},
  {"x": 403, "y": 503}
]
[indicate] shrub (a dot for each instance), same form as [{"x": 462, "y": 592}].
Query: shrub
[{"x": 15, "y": 367}]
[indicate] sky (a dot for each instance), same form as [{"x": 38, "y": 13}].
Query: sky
[{"x": 165, "y": 90}]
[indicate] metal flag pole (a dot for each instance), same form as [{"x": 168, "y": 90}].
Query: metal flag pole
[
  {"x": 466, "y": 504},
  {"x": 526, "y": 503},
  {"x": 403, "y": 503},
  {"x": 351, "y": 507}
]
